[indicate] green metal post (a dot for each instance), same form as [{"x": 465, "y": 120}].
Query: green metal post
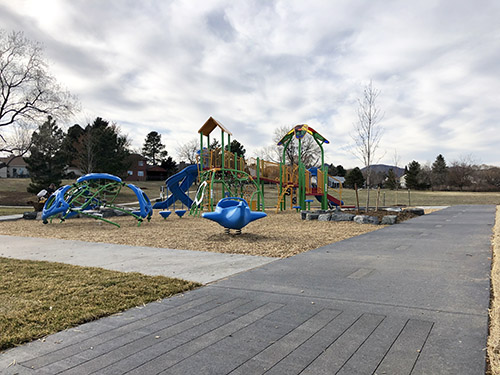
[
  {"x": 281, "y": 177},
  {"x": 228, "y": 146},
  {"x": 222, "y": 163},
  {"x": 201, "y": 151},
  {"x": 212, "y": 193},
  {"x": 222, "y": 150},
  {"x": 302, "y": 179},
  {"x": 324, "y": 201},
  {"x": 283, "y": 162},
  {"x": 258, "y": 183}
]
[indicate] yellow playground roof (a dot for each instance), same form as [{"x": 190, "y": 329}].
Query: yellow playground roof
[{"x": 210, "y": 125}]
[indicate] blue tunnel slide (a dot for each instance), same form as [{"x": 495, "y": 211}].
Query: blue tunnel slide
[{"x": 178, "y": 185}]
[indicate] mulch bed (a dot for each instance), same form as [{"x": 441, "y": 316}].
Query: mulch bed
[{"x": 278, "y": 235}]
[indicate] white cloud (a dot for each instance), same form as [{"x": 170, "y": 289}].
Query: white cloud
[{"x": 257, "y": 65}]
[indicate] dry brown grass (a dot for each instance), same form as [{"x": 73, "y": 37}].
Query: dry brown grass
[
  {"x": 40, "y": 298},
  {"x": 494, "y": 336},
  {"x": 278, "y": 235}
]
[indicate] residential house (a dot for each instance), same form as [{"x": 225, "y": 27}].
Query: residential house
[
  {"x": 335, "y": 181},
  {"x": 402, "y": 181},
  {"x": 156, "y": 173},
  {"x": 13, "y": 167},
  {"x": 138, "y": 168}
]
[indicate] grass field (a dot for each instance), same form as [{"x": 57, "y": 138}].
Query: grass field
[
  {"x": 13, "y": 192},
  {"x": 4, "y": 211},
  {"x": 421, "y": 198},
  {"x": 40, "y": 298}
]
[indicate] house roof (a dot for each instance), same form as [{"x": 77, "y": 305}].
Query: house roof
[
  {"x": 17, "y": 161},
  {"x": 136, "y": 157},
  {"x": 156, "y": 168},
  {"x": 210, "y": 125}
]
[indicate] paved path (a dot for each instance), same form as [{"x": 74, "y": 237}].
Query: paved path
[
  {"x": 201, "y": 266},
  {"x": 407, "y": 299},
  {"x": 11, "y": 217}
]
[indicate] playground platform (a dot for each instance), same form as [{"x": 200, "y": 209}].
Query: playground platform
[{"x": 407, "y": 299}]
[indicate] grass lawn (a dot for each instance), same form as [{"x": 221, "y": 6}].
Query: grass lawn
[
  {"x": 4, "y": 211},
  {"x": 13, "y": 192},
  {"x": 40, "y": 298},
  {"x": 421, "y": 198}
]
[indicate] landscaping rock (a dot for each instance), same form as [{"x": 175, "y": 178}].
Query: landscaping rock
[
  {"x": 416, "y": 211},
  {"x": 365, "y": 219},
  {"x": 120, "y": 213},
  {"x": 29, "y": 215},
  {"x": 324, "y": 217},
  {"x": 389, "y": 220},
  {"x": 341, "y": 216},
  {"x": 312, "y": 216},
  {"x": 393, "y": 209},
  {"x": 303, "y": 214},
  {"x": 108, "y": 212}
]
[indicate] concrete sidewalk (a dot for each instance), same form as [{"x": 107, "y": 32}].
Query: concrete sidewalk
[
  {"x": 203, "y": 267},
  {"x": 407, "y": 299}
]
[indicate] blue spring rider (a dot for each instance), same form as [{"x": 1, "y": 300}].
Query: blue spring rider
[{"x": 233, "y": 213}]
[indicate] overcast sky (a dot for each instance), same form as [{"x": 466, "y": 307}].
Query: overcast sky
[{"x": 256, "y": 65}]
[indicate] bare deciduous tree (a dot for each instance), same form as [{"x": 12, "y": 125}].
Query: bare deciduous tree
[
  {"x": 18, "y": 142},
  {"x": 311, "y": 153},
  {"x": 86, "y": 158},
  {"x": 367, "y": 131},
  {"x": 27, "y": 91},
  {"x": 188, "y": 151},
  {"x": 461, "y": 172}
]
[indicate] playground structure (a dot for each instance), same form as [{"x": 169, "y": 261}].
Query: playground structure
[
  {"x": 89, "y": 195},
  {"x": 297, "y": 177},
  {"x": 221, "y": 173}
]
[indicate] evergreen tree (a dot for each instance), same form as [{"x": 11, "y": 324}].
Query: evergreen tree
[
  {"x": 341, "y": 171},
  {"x": 214, "y": 145},
  {"x": 70, "y": 145},
  {"x": 47, "y": 161},
  {"x": 354, "y": 176},
  {"x": 236, "y": 148},
  {"x": 439, "y": 172},
  {"x": 392, "y": 182},
  {"x": 153, "y": 149},
  {"x": 103, "y": 149},
  {"x": 332, "y": 170},
  {"x": 169, "y": 165},
  {"x": 412, "y": 176}
]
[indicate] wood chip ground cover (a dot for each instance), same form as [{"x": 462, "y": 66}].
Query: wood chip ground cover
[
  {"x": 494, "y": 336},
  {"x": 278, "y": 235}
]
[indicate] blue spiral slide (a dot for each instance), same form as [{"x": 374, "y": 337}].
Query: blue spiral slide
[{"x": 178, "y": 185}]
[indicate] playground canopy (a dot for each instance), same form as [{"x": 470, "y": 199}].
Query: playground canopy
[
  {"x": 299, "y": 131},
  {"x": 210, "y": 125}
]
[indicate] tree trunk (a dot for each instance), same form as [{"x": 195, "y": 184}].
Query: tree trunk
[{"x": 368, "y": 190}]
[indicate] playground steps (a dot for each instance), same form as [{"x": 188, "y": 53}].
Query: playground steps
[{"x": 286, "y": 189}]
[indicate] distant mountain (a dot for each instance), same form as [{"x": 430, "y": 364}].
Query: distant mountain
[{"x": 376, "y": 168}]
